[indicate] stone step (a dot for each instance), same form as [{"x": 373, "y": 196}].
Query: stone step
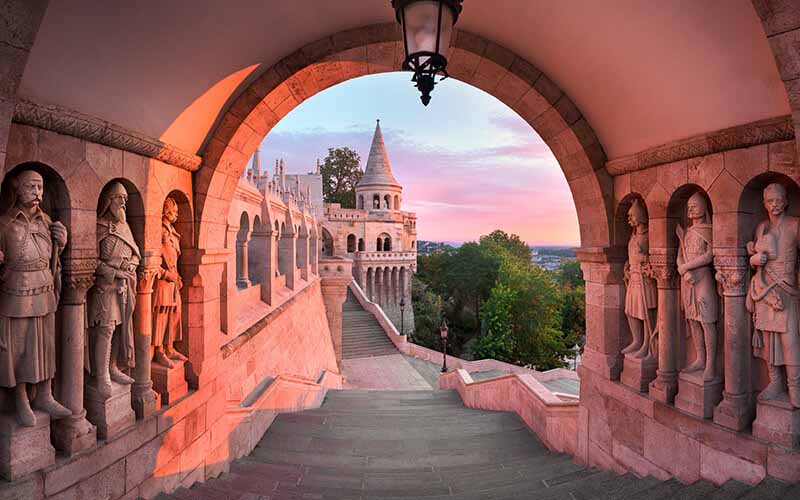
[{"x": 426, "y": 445}]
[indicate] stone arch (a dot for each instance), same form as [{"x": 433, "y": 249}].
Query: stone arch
[
  {"x": 386, "y": 245},
  {"x": 376, "y": 201},
  {"x": 351, "y": 243},
  {"x": 342, "y": 56},
  {"x": 327, "y": 244},
  {"x": 361, "y": 246},
  {"x": 255, "y": 251},
  {"x": 396, "y": 202},
  {"x": 360, "y": 204},
  {"x": 242, "y": 238},
  {"x": 387, "y": 204}
]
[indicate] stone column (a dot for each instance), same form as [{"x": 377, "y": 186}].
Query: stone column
[
  {"x": 302, "y": 260},
  {"x": 243, "y": 275},
  {"x": 379, "y": 284},
  {"x": 286, "y": 247},
  {"x": 263, "y": 270},
  {"x": 74, "y": 434},
  {"x": 736, "y": 410},
  {"x": 372, "y": 281},
  {"x": 606, "y": 326},
  {"x": 145, "y": 400},
  {"x": 665, "y": 386},
  {"x": 204, "y": 270},
  {"x": 335, "y": 274}
]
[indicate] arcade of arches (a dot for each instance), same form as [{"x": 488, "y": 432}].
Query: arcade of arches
[{"x": 220, "y": 287}]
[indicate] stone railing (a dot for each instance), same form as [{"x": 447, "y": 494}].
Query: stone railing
[
  {"x": 391, "y": 255},
  {"x": 400, "y": 341},
  {"x": 554, "y": 419}
]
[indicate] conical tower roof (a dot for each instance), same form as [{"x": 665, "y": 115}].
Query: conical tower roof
[{"x": 378, "y": 171}]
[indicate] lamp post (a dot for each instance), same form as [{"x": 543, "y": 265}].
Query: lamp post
[
  {"x": 427, "y": 28},
  {"x": 443, "y": 333},
  {"x": 402, "y": 315}
]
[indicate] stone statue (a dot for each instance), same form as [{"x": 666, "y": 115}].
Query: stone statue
[
  {"x": 698, "y": 287},
  {"x": 167, "y": 299},
  {"x": 641, "y": 296},
  {"x": 113, "y": 297},
  {"x": 774, "y": 298},
  {"x": 30, "y": 283}
]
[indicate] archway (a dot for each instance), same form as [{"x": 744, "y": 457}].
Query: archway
[{"x": 484, "y": 64}]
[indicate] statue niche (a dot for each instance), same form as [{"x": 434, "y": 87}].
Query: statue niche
[
  {"x": 30, "y": 284},
  {"x": 112, "y": 300},
  {"x": 698, "y": 287},
  {"x": 641, "y": 295},
  {"x": 774, "y": 297},
  {"x": 167, "y": 298}
]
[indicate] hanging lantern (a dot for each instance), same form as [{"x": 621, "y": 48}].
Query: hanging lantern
[{"x": 427, "y": 28}]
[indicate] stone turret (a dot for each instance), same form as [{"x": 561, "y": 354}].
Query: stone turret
[{"x": 378, "y": 189}]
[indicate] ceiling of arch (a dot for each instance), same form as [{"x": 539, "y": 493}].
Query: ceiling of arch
[{"x": 643, "y": 73}]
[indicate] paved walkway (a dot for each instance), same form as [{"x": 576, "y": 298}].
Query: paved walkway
[
  {"x": 425, "y": 445},
  {"x": 386, "y": 373}
]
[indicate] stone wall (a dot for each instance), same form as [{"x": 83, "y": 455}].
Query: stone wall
[{"x": 651, "y": 414}]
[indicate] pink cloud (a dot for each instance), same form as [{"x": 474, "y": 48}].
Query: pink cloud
[{"x": 458, "y": 195}]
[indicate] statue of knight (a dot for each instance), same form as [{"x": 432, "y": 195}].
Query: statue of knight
[
  {"x": 113, "y": 297},
  {"x": 641, "y": 295},
  {"x": 774, "y": 297},
  {"x": 698, "y": 287},
  {"x": 30, "y": 284}
]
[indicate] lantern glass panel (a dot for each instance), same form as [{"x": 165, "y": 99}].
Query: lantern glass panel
[{"x": 421, "y": 25}]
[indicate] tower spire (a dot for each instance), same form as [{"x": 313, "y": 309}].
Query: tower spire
[{"x": 378, "y": 171}]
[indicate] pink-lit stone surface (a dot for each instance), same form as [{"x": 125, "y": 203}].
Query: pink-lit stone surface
[
  {"x": 385, "y": 373},
  {"x": 552, "y": 419}
]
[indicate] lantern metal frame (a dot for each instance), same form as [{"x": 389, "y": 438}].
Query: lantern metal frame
[{"x": 425, "y": 64}]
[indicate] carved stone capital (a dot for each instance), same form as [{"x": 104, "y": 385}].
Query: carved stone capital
[
  {"x": 145, "y": 278},
  {"x": 734, "y": 281},
  {"x": 662, "y": 268},
  {"x": 733, "y": 272},
  {"x": 76, "y": 279}
]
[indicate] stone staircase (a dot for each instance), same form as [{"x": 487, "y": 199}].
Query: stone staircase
[
  {"x": 426, "y": 445},
  {"x": 362, "y": 335}
]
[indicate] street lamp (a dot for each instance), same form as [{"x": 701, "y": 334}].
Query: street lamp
[
  {"x": 427, "y": 28},
  {"x": 402, "y": 315},
  {"x": 443, "y": 333}
]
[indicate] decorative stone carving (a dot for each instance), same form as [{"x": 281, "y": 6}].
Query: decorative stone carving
[
  {"x": 167, "y": 299},
  {"x": 741, "y": 136},
  {"x": 698, "y": 287},
  {"x": 113, "y": 298},
  {"x": 30, "y": 284},
  {"x": 641, "y": 296},
  {"x": 774, "y": 298},
  {"x": 70, "y": 122}
]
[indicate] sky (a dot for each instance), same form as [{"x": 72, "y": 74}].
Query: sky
[{"x": 468, "y": 163}]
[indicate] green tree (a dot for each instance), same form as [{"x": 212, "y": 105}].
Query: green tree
[
  {"x": 573, "y": 311},
  {"x": 569, "y": 274},
  {"x": 469, "y": 275},
  {"x": 498, "y": 342},
  {"x": 341, "y": 171},
  {"x": 428, "y": 310},
  {"x": 499, "y": 242}
]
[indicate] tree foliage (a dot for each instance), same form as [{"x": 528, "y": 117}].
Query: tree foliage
[
  {"x": 428, "y": 313},
  {"x": 341, "y": 171},
  {"x": 507, "y": 308}
]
